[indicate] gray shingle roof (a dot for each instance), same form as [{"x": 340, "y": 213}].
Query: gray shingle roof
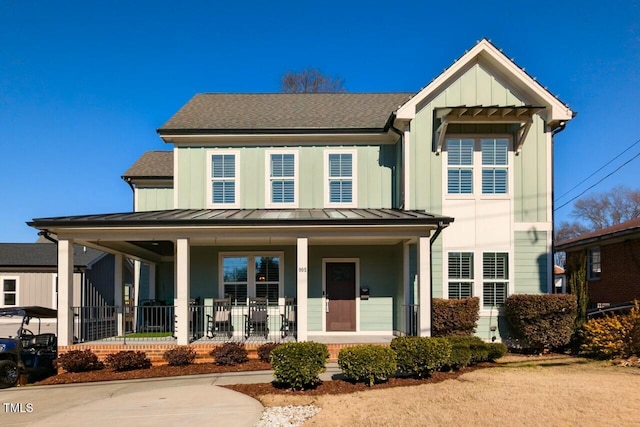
[
  {"x": 233, "y": 217},
  {"x": 42, "y": 255},
  {"x": 152, "y": 164},
  {"x": 285, "y": 111}
]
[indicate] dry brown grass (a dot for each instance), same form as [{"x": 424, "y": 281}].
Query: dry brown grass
[{"x": 522, "y": 391}]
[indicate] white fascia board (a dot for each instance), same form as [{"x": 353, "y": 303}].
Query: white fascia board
[
  {"x": 212, "y": 140},
  {"x": 486, "y": 53}
]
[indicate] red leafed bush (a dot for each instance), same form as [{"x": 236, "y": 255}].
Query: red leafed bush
[
  {"x": 79, "y": 361},
  {"x": 128, "y": 360},
  {"x": 455, "y": 316}
]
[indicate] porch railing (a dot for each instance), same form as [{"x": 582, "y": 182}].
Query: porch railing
[
  {"x": 273, "y": 323},
  {"x": 410, "y": 322}
]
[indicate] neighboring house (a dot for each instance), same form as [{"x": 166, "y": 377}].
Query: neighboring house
[
  {"x": 612, "y": 262},
  {"x": 345, "y": 202},
  {"x": 560, "y": 280}
]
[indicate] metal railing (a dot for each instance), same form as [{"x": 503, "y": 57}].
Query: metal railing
[
  {"x": 410, "y": 320},
  {"x": 240, "y": 323}
]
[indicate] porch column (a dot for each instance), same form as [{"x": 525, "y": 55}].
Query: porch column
[
  {"x": 65, "y": 292},
  {"x": 182, "y": 291},
  {"x": 407, "y": 314},
  {"x": 424, "y": 286},
  {"x": 117, "y": 293},
  {"x": 301, "y": 292}
]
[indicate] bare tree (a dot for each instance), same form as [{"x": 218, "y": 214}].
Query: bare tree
[
  {"x": 569, "y": 230},
  {"x": 606, "y": 209},
  {"x": 310, "y": 80}
]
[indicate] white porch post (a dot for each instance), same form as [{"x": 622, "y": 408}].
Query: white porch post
[
  {"x": 406, "y": 286},
  {"x": 65, "y": 292},
  {"x": 117, "y": 293},
  {"x": 182, "y": 291},
  {"x": 424, "y": 286},
  {"x": 303, "y": 281}
]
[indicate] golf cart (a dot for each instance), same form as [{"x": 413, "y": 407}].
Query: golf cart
[{"x": 27, "y": 344}]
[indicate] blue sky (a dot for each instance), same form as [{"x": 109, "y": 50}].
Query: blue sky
[{"x": 85, "y": 84}]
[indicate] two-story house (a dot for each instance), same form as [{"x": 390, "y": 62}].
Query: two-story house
[{"x": 360, "y": 206}]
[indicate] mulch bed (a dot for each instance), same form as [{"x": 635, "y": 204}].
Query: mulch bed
[
  {"x": 344, "y": 387},
  {"x": 153, "y": 372}
]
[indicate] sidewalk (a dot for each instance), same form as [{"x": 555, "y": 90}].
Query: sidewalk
[{"x": 171, "y": 401}]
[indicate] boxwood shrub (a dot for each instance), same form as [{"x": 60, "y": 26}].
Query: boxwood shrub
[
  {"x": 455, "y": 316},
  {"x": 79, "y": 361},
  {"x": 128, "y": 360},
  {"x": 541, "y": 321},
  {"x": 496, "y": 350},
  {"x": 420, "y": 356},
  {"x": 367, "y": 363},
  {"x": 297, "y": 365}
]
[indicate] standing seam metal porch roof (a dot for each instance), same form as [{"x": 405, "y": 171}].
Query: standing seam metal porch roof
[
  {"x": 244, "y": 217},
  {"x": 279, "y": 112}
]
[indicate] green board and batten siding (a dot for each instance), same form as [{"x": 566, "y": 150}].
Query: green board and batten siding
[
  {"x": 375, "y": 180},
  {"x": 154, "y": 198}
]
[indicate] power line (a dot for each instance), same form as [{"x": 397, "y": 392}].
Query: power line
[
  {"x": 603, "y": 178},
  {"x": 602, "y": 167}
]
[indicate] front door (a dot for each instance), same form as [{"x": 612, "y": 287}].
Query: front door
[{"x": 341, "y": 296}]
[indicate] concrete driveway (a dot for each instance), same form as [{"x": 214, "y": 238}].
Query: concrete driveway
[{"x": 176, "y": 401}]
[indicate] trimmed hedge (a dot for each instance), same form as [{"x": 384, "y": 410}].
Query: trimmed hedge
[
  {"x": 180, "y": 356},
  {"x": 460, "y": 356},
  {"x": 496, "y": 350},
  {"x": 611, "y": 336},
  {"x": 478, "y": 351},
  {"x": 264, "y": 351},
  {"x": 420, "y": 356},
  {"x": 79, "y": 361},
  {"x": 128, "y": 360},
  {"x": 367, "y": 363},
  {"x": 230, "y": 354},
  {"x": 542, "y": 321},
  {"x": 455, "y": 316},
  {"x": 297, "y": 365}
]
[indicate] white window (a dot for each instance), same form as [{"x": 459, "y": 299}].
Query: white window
[
  {"x": 495, "y": 276},
  {"x": 460, "y": 166},
  {"x": 258, "y": 275},
  {"x": 495, "y": 165},
  {"x": 463, "y": 177},
  {"x": 282, "y": 179},
  {"x": 9, "y": 291},
  {"x": 223, "y": 179},
  {"x": 594, "y": 267},
  {"x": 460, "y": 275},
  {"x": 340, "y": 169}
]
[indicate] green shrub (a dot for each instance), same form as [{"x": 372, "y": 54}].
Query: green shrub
[
  {"x": 542, "y": 321},
  {"x": 496, "y": 350},
  {"x": 297, "y": 365},
  {"x": 460, "y": 356},
  {"x": 455, "y": 316},
  {"x": 367, "y": 363},
  {"x": 479, "y": 352},
  {"x": 264, "y": 351},
  {"x": 420, "y": 356},
  {"x": 611, "y": 336},
  {"x": 230, "y": 354},
  {"x": 79, "y": 361},
  {"x": 128, "y": 360},
  {"x": 180, "y": 356}
]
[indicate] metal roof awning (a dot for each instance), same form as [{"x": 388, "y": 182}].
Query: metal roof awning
[{"x": 487, "y": 115}]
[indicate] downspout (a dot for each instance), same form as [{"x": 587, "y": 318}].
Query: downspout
[
  {"x": 133, "y": 190},
  {"x": 46, "y": 235},
  {"x": 397, "y": 131},
  {"x": 554, "y": 132}
]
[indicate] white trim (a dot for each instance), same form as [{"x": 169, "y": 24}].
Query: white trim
[
  {"x": 354, "y": 177},
  {"x": 251, "y": 276},
  {"x": 17, "y": 291},
  {"x": 276, "y": 140},
  {"x": 54, "y": 291},
  {"x": 355, "y": 261},
  {"x": 136, "y": 202},
  {"x": 208, "y": 179},
  {"x": 176, "y": 184},
  {"x": 406, "y": 160},
  {"x": 302, "y": 286},
  {"x": 487, "y": 54},
  {"x": 268, "y": 201}
]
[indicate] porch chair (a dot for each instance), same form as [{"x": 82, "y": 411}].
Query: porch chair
[
  {"x": 257, "y": 318},
  {"x": 220, "y": 319},
  {"x": 288, "y": 327}
]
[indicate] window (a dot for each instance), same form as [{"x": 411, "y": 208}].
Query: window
[
  {"x": 9, "y": 292},
  {"x": 494, "y": 165},
  {"x": 245, "y": 276},
  {"x": 495, "y": 275},
  {"x": 460, "y": 166},
  {"x": 462, "y": 175},
  {"x": 282, "y": 182},
  {"x": 594, "y": 265},
  {"x": 223, "y": 179},
  {"x": 340, "y": 169},
  {"x": 460, "y": 275}
]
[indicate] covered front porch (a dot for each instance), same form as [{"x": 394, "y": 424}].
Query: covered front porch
[{"x": 331, "y": 275}]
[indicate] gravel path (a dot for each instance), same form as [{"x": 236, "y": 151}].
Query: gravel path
[{"x": 286, "y": 416}]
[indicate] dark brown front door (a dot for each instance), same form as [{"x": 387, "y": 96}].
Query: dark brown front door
[{"x": 341, "y": 296}]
